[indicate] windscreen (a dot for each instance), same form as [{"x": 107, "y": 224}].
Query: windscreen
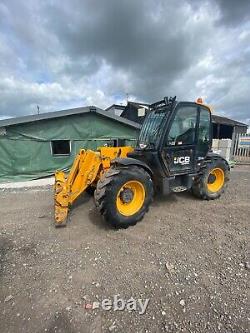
[{"x": 151, "y": 128}]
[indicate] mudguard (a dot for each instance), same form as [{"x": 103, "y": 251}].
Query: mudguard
[
  {"x": 214, "y": 156},
  {"x": 132, "y": 161}
]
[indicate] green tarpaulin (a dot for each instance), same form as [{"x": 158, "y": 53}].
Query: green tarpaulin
[{"x": 25, "y": 149}]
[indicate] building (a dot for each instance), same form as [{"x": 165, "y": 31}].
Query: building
[
  {"x": 133, "y": 111},
  {"x": 225, "y": 128},
  {"x": 115, "y": 109},
  {"x": 35, "y": 146}
]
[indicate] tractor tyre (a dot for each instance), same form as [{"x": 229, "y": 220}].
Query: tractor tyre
[
  {"x": 123, "y": 195},
  {"x": 212, "y": 180}
]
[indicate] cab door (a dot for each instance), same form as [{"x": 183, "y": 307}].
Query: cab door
[
  {"x": 179, "y": 147},
  {"x": 204, "y": 140}
]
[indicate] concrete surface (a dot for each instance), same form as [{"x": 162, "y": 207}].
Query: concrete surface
[
  {"x": 28, "y": 184},
  {"x": 190, "y": 258}
]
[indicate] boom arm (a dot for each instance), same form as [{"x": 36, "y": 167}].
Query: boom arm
[{"x": 85, "y": 171}]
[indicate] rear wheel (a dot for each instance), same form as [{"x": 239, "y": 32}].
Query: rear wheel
[
  {"x": 123, "y": 195},
  {"x": 212, "y": 181}
]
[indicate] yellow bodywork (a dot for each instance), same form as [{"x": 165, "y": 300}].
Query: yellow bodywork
[{"x": 86, "y": 170}]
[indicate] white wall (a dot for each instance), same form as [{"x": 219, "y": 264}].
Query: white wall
[{"x": 222, "y": 147}]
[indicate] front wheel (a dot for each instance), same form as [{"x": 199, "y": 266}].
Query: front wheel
[
  {"x": 212, "y": 181},
  {"x": 123, "y": 195}
]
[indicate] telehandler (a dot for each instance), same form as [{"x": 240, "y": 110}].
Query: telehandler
[{"x": 172, "y": 154}]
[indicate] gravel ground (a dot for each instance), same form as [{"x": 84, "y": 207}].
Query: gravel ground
[{"x": 188, "y": 257}]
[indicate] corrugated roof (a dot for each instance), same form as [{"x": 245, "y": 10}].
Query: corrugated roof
[
  {"x": 226, "y": 121},
  {"x": 138, "y": 104},
  {"x": 115, "y": 106},
  {"x": 65, "y": 113}
]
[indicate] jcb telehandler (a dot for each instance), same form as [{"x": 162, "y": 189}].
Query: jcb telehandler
[{"x": 173, "y": 154}]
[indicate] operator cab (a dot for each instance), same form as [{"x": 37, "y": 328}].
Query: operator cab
[
  {"x": 174, "y": 139},
  {"x": 180, "y": 133}
]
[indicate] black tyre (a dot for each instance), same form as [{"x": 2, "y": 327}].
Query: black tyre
[
  {"x": 123, "y": 195},
  {"x": 212, "y": 180}
]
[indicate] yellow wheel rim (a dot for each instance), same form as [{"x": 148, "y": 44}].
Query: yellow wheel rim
[
  {"x": 130, "y": 198},
  {"x": 215, "y": 180}
]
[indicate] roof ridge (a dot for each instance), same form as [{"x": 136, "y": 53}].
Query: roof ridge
[{"x": 64, "y": 113}]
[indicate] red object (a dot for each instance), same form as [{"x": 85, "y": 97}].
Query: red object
[{"x": 88, "y": 306}]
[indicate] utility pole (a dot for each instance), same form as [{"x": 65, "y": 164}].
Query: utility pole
[{"x": 127, "y": 97}]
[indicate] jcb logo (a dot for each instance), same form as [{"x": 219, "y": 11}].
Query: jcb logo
[{"x": 183, "y": 160}]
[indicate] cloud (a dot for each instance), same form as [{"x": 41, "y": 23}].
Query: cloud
[
  {"x": 234, "y": 12},
  {"x": 59, "y": 54},
  {"x": 227, "y": 12}
]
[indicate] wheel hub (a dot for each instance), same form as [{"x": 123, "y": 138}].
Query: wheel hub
[
  {"x": 126, "y": 195},
  {"x": 215, "y": 180},
  {"x": 130, "y": 198},
  {"x": 211, "y": 179}
]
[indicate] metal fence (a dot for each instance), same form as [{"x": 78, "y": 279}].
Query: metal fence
[{"x": 241, "y": 149}]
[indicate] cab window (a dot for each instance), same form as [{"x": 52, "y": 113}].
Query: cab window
[
  {"x": 183, "y": 128},
  {"x": 204, "y": 127}
]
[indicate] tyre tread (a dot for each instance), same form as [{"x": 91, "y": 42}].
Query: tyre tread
[
  {"x": 199, "y": 188},
  {"x": 105, "y": 187}
]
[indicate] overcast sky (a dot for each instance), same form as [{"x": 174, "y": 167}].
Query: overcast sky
[{"x": 60, "y": 54}]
